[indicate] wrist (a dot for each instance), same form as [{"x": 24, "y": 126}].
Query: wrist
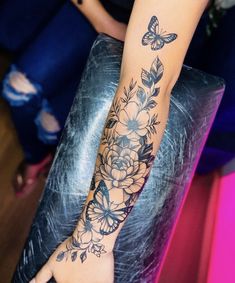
[
  {"x": 88, "y": 236},
  {"x": 103, "y": 25}
]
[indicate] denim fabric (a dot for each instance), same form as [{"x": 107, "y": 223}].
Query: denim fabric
[
  {"x": 53, "y": 63},
  {"x": 59, "y": 51},
  {"x": 23, "y": 117},
  {"x": 45, "y": 135},
  {"x": 19, "y": 98},
  {"x": 21, "y": 20}
]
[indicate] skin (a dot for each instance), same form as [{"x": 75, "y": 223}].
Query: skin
[
  {"x": 178, "y": 17},
  {"x": 100, "y": 19}
]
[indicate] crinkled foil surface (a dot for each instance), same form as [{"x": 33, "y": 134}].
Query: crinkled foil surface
[{"x": 142, "y": 242}]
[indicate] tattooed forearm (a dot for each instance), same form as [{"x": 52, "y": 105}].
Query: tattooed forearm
[
  {"x": 123, "y": 164},
  {"x": 156, "y": 38}
]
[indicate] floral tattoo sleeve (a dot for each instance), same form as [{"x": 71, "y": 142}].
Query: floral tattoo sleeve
[{"x": 123, "y": 164}]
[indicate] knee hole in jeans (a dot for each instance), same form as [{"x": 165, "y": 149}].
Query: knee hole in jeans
[
  {"x": 47, "y": 124},
  {"x": 18, "y": 89}
]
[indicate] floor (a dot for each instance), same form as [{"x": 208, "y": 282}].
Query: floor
[{"x": 15, "y": 214}]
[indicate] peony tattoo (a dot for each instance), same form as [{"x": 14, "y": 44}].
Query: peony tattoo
[
  {"x": 125, "y": 156},
  {"x": 124, "y": 159},
  {"x": 122, "y": 167}
]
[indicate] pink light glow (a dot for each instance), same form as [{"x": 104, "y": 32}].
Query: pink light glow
[{"x": 222, "y": 263}]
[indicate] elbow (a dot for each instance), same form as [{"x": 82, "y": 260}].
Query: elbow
[{"x": 171, "y": 81}]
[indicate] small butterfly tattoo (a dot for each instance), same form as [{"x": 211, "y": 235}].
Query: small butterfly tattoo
[{"x": 155, "y": 38}]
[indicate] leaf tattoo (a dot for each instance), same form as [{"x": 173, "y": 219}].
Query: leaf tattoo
[
  {"x": 122, "y": 167},
  {"x": 154, "y": 76}
]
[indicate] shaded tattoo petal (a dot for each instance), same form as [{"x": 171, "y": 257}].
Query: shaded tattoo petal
[
  {"x": 87, "y": 232},
  {"x": 125, "y": 158},
  {"x": 86, "y": 237},
  {"x": 135, "y": 121},
  {"x": 136, "y": 186},
  {"x": 124, "y": 170},
  {"x": 143, "y": 118}
]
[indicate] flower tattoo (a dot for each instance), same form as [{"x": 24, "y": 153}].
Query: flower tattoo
[
  {"x": 123, "y": 164},
  {"x": 121, "y": 167},
  {"x": 124, "y": 159},
  {"x": 86, "y": 232},
  {"x": 132, "y": 122}
]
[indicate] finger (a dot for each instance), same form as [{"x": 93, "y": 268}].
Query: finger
[{"x": 43, "y": 276}]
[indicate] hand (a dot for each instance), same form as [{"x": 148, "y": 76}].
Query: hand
[
  {"x": 93, "y": 270},
  {"x": 114, "y": 29}
]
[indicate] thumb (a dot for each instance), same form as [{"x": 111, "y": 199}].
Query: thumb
[{"x": 43, "y": 276}]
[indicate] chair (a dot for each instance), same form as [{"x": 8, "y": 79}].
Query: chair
[{"x": 143, "y": 240}]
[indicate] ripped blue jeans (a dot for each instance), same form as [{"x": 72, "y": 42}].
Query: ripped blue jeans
[{"x": 41, "y": 84}]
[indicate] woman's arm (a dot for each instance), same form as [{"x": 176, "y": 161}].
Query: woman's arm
[
  {"x": 100, "y": 19},
  {"x": 157, "y": 39}
]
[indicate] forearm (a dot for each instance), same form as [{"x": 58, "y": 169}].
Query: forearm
[
  {"x": 124, "y": 160},
  {"x": 137, "y": 118},
  {"x": 95, "y": 13}
]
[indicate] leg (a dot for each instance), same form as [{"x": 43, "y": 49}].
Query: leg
[
  {"x": 59, "y": 51},
  {"x": 52, "y": 62},
  {"x": 43, "y": 81}
]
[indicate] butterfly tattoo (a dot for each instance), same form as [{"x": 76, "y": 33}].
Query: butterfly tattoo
[
  {"x": 155, "y": 38},
  {"x": 105, "y": 212}
]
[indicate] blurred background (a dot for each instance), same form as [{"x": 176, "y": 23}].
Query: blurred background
[{"x": 44, "y": 46}]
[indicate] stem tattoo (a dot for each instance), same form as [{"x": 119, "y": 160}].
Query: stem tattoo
[{"x": 123, "y": 164}]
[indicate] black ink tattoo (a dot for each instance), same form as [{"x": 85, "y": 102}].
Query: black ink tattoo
[
  {"x": 102, "y": 210},
  {"x": 124, "y": 159},
  {"x": 122, "y": 167},
  {"x": 155, "y": 38},
  {"x": 79, "y": 2}
]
